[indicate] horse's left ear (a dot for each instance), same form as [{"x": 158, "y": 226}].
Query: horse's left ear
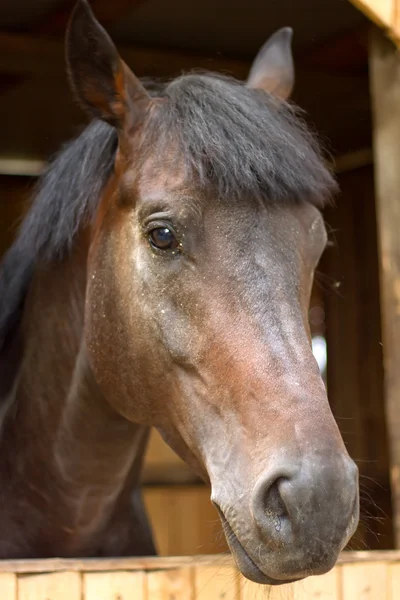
[
  {"x": 102, "y": 82},
  {"x": 273, "y": 69}
]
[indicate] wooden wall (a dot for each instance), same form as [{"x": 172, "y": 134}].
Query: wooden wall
[
  {"x": 358, "y": 576},
  {"x": 184, "y": 520}
]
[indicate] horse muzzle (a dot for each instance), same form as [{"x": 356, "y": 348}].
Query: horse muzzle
[{"x": 297, "y": 519}]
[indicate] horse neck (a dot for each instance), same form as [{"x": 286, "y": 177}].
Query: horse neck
[{"x": 77, "y": 460}]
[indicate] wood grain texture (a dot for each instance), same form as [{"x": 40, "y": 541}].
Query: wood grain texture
[
  {"x": 163, "y": 465},
  {"x": 120, "y": 585},
  {"x": 171, "y": 585},
  {"x": 50, "y": 586},
  {"x": 30, "y": 54},
  {"x": 89, "y": 565},
  {"x": 365, "y": 582},
  {"x": 323, "y": 587},
  {"x": 8, "y": 586},
  {"x": 364, "y": 579},
  {"x": 217, "y": 583},
  {"x": 380, "y": 11},
  {"x": 253, "y": 591},
  {"x": 184, "y": 520},
  {"x": 394, "y": 581}
]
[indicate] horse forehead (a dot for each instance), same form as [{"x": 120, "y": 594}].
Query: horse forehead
[
  {"x": 169, "y": 176},
  {"x": 168, "y": 182}
]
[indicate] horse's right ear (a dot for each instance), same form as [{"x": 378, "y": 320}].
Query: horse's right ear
[{"x": 101, "y": 81}]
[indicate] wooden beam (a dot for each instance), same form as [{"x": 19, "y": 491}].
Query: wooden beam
[
  {"x": 41, "y": 56},
  {"x": 56, "y": 565},
  {"x": 24, "y": 53},
  {"x": 55, "y": 23},
  {"x": 108, "y": 13},
  {"x": 380, "y": 12},
  {"x": 28, "y": 54},
  {"x": 337, "y": 103},
  {"x": 396, "y": 18},
  {"x": 385, "y": 91},
  {"x": 352, "y": 161},
  {"x": 26, "y": 167},
  {"x": 384, "y": 13}
]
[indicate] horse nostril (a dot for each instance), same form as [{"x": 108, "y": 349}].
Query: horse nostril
[
  {"x": 288, "y": 506},
  {"x": 269, "y": 509},
  {"x": 274, "y": 506}
]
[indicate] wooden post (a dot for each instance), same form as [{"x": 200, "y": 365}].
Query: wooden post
[
  {"x": 379, "y": 11},
  {"x": 385, "y": 92},
  {"x": 385, "y": 13}
]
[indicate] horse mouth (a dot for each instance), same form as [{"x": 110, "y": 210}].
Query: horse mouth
[{"x": 244, "y": 562}]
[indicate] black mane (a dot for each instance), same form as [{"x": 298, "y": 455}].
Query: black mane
[
  {"x": 240, "y": 142},
  {"x": 66, "y": 195}
]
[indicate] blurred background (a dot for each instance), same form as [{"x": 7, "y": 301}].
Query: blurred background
[{"x": 160, "y": 38}]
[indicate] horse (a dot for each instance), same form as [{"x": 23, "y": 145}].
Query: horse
[{"x": 161, "y": 278}]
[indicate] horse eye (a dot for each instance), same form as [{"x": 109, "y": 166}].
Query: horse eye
[{"x": 163, "y": 238}]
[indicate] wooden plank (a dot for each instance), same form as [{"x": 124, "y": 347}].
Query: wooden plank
[
  {"x": 254, "y": 591},
  {"x": 385, "y": 91},
  {"x": 395, "y": 33},
  {"x": 168, "y": 518},
  {"x": 380, "y": 12},
  {"x": 365, "y": 582},
  {"x": 340, "y": 111},
  {"x": 323, "y": 587},
  {"x": 108, "y": 13},
  {"x": 158, "y": 509},
  {"x": 50, "y": 586},
  {"x": 385, "y": 13},
  {"x": 21, "y": 167},
  {"x": 162, "y": 465},
  {"x": 8, "y": 586},
  {"x": 369, "y": 556},
  {"x": 211, "y": 538},
  {"x": 171, "y": 585},
  {"x": 217, "y": 583},
  {"x": 394, "y": 581},
  {"x": 29, "y": 54},
  {"x": 120, "y": 585},
  {"x": 196, "y": 523},
  {"x": 54, "y": 565},
  {"x": 185, "y": 537},
  {"x": 184, "y": 520},
  {"x": 351, "y": 161}
]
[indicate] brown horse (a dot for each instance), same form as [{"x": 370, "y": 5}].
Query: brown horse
[{"x": 162, "y": 279}]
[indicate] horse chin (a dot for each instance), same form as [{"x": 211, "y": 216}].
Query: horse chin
[{"x": 244, "y": 562}]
